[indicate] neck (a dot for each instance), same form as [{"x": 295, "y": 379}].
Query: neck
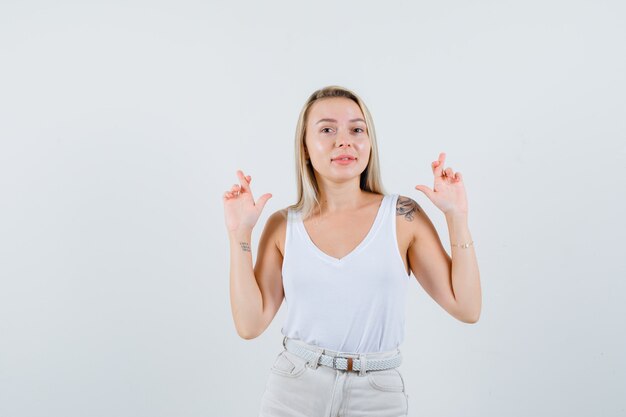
[{"x": 341, "y": 197}]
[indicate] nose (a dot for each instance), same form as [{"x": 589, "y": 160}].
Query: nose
[{"x": 343, "y": 139}]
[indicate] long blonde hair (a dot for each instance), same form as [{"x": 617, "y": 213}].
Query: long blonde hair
[{"x": 308, "y": 188}]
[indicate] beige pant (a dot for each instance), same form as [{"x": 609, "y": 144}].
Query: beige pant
[{"x": 298, "y": 389}]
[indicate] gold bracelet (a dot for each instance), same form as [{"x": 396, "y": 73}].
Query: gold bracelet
[{"x": 464, "y": 245}]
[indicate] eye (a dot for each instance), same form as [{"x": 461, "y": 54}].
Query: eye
[
  {"x": 324, "y": 129},
  {"x": 361, "y": 129}
]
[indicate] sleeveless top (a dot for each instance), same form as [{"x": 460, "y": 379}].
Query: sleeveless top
[{"x": 355, "y": 304}]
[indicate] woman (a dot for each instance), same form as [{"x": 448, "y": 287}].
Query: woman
[{"x": 341, "y": 257}]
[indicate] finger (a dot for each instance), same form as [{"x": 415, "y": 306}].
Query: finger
[
  {"x": 262, "y": 200},
  {"x": 439, "y": 164},
  {"x": 425, "y": 190},
  {"x": 242, "y": 180},
  {"x": 245, "y": 185},
  {"x": 449, "y": 173},
  {"x": 459, "y": 177},
  {"x": 437, "y": 170}
]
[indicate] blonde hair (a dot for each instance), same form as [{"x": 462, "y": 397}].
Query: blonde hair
[{"x": 308, "y": 188}]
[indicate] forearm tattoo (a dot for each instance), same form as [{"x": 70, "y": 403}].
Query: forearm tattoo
[
  {"x": 245, "y": 246},
  {"x": 407, "y": 207}
]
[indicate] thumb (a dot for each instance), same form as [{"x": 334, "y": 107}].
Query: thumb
[
  {"x": 262, "y": 200},
  {"x": 425, "y": 190}
]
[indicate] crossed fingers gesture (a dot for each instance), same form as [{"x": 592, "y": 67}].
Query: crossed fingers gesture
[{"x": 448, "y": 192}]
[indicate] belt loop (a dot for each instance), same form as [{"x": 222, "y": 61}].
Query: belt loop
[
  {"x": 315, "y": 361},
  {"x": 363, "y": 363},
  {"x": 285, "y": 342}
]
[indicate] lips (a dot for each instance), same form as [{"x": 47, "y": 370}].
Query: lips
[{"x": 340, "y": 157}]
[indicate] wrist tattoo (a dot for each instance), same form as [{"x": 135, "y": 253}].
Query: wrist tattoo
[{"x": 245, "y": 246}]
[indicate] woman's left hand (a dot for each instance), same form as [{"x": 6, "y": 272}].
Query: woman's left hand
[{"x": 448, "y": 193}]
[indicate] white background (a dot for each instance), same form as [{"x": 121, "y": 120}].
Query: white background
[{"x": 123, "y": 122}]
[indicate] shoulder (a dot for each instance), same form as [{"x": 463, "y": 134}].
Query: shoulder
[
  {"x": 276, "y": 228},
  {"x": 277, "y": 220},
  {"x": 279, "y": 216},
  {"x": 411, "y": 218},
  {"x": 407, "y": 208}
]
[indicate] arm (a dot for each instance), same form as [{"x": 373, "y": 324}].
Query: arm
[
  {"x": 256, "y": 293},
  {"x": 452, "y": 282},
  {"x": 465, "y": 274},
  {"x": 246, "y": 301}
]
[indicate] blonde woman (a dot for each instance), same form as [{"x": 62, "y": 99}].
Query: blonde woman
[{"x": 342, "y": 257}]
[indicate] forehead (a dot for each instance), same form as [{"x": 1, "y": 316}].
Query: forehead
[{"x": 339, "y": 108}]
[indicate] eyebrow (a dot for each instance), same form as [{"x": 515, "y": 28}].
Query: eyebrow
[{"x": 333, "y": 120}]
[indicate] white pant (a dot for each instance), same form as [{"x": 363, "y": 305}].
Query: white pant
[{"x": 298, "y": 389}]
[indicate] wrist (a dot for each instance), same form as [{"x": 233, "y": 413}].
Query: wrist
[
  {"x": 456, "y": 215},
  {"x": 240, "y": 235}
]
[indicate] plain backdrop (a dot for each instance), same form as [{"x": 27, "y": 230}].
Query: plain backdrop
[{"x": 123, "y": 122}]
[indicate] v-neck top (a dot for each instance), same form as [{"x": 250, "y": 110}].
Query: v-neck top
[{"x": 355, "y": 304}]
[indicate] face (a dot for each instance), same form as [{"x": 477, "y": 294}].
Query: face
[{"x": 335, "y": 127}]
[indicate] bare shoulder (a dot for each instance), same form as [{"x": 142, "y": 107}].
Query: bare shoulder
[
  {"x": 407, "y": 209},
  {"x": 277, "y": 220},
  {"x": 276, "y": 227},
  {"x": 411, "y": 217}
]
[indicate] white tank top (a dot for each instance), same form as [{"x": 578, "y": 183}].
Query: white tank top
[{"x": 355, "y": 304}]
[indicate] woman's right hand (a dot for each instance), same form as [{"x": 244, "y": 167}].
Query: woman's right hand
[{"x": 240, "y": 211}]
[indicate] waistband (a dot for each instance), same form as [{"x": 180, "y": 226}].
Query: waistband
[
  {"x": 357, "y": 362},
  {"x": 314, "y": 348}
]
